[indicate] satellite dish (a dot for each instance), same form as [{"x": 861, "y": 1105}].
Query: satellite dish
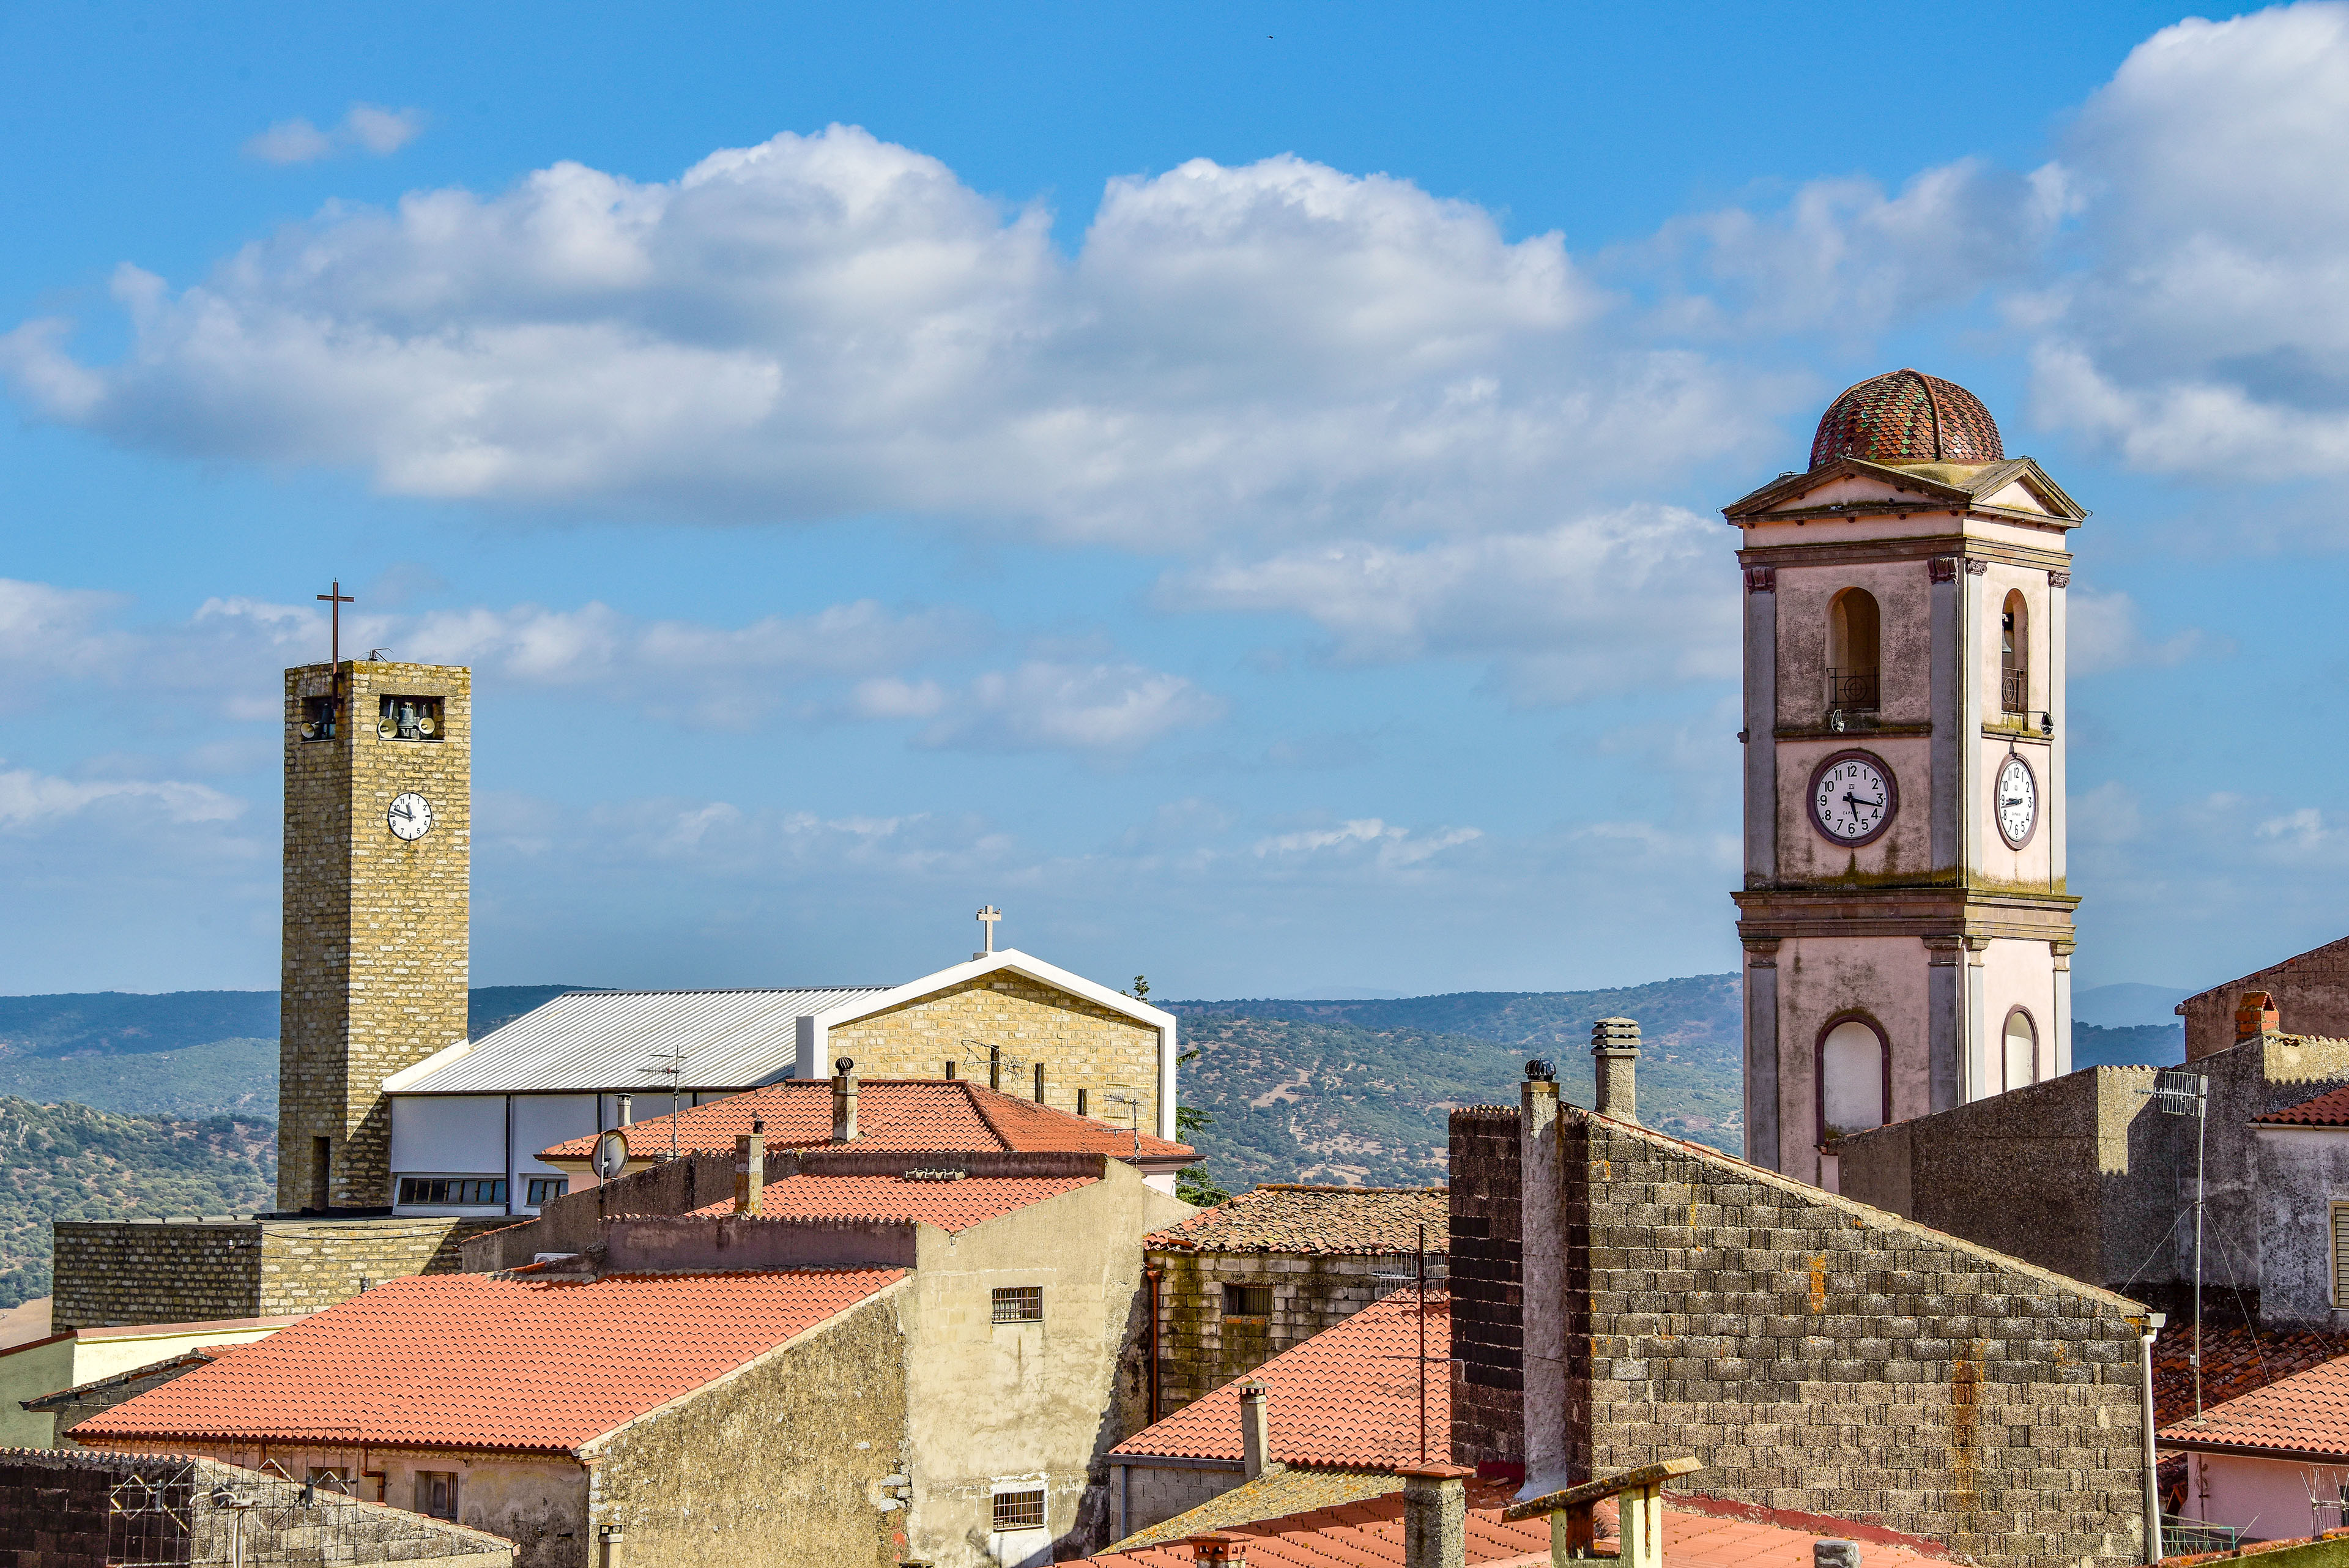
[{"x": 611, "y": 1155}]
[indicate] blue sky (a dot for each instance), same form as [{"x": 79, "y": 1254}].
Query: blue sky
[{"x": 1235, "y": 487}]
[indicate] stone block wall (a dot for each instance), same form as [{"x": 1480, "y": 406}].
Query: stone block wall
[
  {"x": 115, "y": 1272},
  {"x": 1487, "y": 1285},
  {"x": 1081, "y": 1044},
  {"x": 1824, "y": 1358},
  {"x": 1200, "y": 1349},
  {"x": 373, "y": 968},
  {"x": 2310, "y": 992}
]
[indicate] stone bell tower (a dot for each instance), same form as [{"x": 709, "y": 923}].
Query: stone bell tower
[
  {"x": 1905, "y": 921},
  {"x": 378, "y": 858}
]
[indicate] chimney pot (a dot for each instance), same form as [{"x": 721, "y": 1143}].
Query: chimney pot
[
  {"x": 1435, "y": 1516},
  {"x": 843, "y": 1101},
  {"x": 626, "y": 1105},
  {"x": 1255, "y": 1429},
  {"x": 2255, "y": 1013},
  {"x": 1615, "y": 1051}
]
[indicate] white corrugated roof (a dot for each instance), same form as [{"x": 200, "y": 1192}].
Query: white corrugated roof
[{"x": 607, "y": 1040}]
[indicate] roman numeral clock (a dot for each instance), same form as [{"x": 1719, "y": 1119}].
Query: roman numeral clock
[{"x": 1907, "y": 932}]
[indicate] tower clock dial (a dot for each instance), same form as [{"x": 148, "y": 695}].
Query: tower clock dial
[
  {"x": 1853, "y": 798},
  {"x": 2018, "y": 802},
  {"x": 411, "y": 818}
]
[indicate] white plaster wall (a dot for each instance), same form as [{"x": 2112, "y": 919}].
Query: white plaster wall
[
  {"x": 2299, "y": 1173},
  {"x": 449, "y": 1135},
  {"x": 2266, "y": 1499},
  {"x": 540, "y": 1120},
  {"x": 2016, "y": 974},
  {"x": 1821, "y": 976}
]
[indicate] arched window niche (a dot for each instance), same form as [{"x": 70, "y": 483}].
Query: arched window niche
[
  {"x": 2020, "y": 1054},
  {"x": 1854, "y": 670},
  {"x": 1854, "y": 1077},
  {"x": 2014, "y": 656}
]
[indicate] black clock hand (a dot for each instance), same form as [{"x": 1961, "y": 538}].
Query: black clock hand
[{"x": 1848, "y": 800}]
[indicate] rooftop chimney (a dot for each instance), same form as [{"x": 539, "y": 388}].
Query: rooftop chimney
[
  {"x": 1435, "y": 1516},
  {"x": 1220, "y": 1549},
  {"x": 1615, "y": 1051},
  {"x": 1255, "y": 1429},
  {"x": 843, "y": 1101},
  {"x": 2255, "y": 1013},
  {"x": 627, "y": 1107},
  {"x": 1834, "y": 1554},
  {"x": 750, "y": 1168}
]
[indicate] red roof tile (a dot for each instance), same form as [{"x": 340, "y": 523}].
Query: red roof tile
[
  {"x": 475, "y": 1361},
  {"x": 1346, "y": 1396},
  {"x": 2236, "y": 1359},
  {"x": 2306, "y": 1413},
  {"x": 910, "y": 1115},
  {"x": 1281, "y": 1218},
  {"x": 955, "y": 1205},
  {"x": 1369, "y": 1534},
  {"x": 2326, "y": 1110}
]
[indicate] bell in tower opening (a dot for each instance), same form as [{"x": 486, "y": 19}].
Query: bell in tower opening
[{"x": 1906, "y": 926}]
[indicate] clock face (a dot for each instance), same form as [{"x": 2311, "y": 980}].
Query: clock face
[
  {"x": 2017, "y": 802},
  {"x": 1853, "y": 798},
  {"x": 411, "y": 818}
]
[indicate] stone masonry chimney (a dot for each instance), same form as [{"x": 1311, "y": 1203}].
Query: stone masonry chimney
[
  {"x": 1255, "y": 1429},
  {"x": 2255, "y": 1013},
  {"x": 1615, "y": 1053},
  {"x": 1220, "y": 1549},
  {"x": 843, "y": 1101},
  {"x": 1435, "y": 1516},
  {"x": 750, "y": 1168}
]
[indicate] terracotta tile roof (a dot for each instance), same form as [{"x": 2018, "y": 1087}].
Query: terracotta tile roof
[
  {"x": 2326, "y": 1110},
  {"x": 910, "y": 1115},
  {"x": 1907, "y": 416},
  {"x": 2235, "y": 1360},
  {"x": 1316, "y": 1220},
  {"x": 1346, "y": 1398},
  {"x": 2306, "y": 1413},
  {"x": 1369, "y": 1534},
  {"x": 1276, "y": 1494},
  {"x": 949, "y": 1205},
  {"x": 474, "y": 1361}
]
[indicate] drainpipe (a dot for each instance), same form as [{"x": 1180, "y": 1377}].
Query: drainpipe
[{"x": 2146, "y": 1331}]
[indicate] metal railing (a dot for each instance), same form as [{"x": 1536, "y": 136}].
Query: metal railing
[
  {"x": 2187, "y": 1537},
  {"x": 1852, "y": 690},
  {"x": 2014, "y": 691}
]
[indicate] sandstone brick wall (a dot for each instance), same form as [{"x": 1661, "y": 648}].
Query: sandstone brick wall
[
  {"x": 1080, "y": 1043},
  {"x": 116, "y": 1271},
  {"x": 1822, "y": 1357},
  {"x": 374, "y": 968},
  {"x": 1487, "y": 1284},
  {"x": 1200, "y": 1349}
]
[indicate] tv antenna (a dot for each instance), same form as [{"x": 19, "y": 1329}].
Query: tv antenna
[
  {"x": 2182, "y": 1094},
  {"x": 674, "y": 1071}
]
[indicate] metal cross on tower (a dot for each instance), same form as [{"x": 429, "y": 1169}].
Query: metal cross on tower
[
  {"x": 335, "y": 600},
  {"x": 986, "y": 919}
]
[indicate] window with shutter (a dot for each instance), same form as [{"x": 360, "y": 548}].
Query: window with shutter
[{"x": 2341, "y": 1254}]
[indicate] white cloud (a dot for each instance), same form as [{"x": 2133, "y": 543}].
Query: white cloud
[
  {"x": 828, "y": 323},
  {"x": 2208, "y": 331},
  {"x": 30, "y": 800},
  {"x": 1626, "y": 599},
  {"x": 48, "y": 632},
  {"x": 367, "y": 126},
  {"x": 1388, "y": 845},
  {"x": 2305, "y": 828},
  {"x": 1046, "y": 705},
  {"x": 2102, "y": 633}
]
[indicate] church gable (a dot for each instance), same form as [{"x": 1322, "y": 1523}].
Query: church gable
[{"x": 999, "y": 1027}]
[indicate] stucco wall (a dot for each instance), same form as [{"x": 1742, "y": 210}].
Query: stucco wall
[
  {"x": 788, "y": 1461},
  {"x": 2301, "y": 1172},
  {"x": 1036, "y": 1404},
  {"x": 1821, "y": 979},
  {"x": 1819, "y": 1355},
  {"x": 2311, "y": 991},
  {"x": 1080, "y": 1043},
  {"x": 2267, "y": 1500}
]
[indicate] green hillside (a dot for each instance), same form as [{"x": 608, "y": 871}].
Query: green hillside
[
  {"x": 70, "y": 1162},
  {"x": 1363, "y": 1090}
]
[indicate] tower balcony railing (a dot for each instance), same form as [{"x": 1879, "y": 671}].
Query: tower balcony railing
[
  {"x": 1851, "y": 693},
  {"x": 2014, "y": 691}
]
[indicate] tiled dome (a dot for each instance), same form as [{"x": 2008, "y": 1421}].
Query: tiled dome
[{"x": 1907, "y": 416}]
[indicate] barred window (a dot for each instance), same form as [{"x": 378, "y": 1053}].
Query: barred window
[
  {"x": 452, "y": 1190},
  {"x": 1020, "y": 1304},
  {"x": 545, "y": 1189},
  {"x": 1247, "y": 1300},
  {"x": 1020, "y": 1510},
  {"x": 2341, "y": 1254}
]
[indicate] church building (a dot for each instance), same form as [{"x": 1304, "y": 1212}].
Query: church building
[{"x": 1906, "y": 925}]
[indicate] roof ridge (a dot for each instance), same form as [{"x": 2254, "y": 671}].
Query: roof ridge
[{"x": 979, "y": 1108}]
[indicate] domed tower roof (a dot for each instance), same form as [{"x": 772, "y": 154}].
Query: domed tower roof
[{"x": 1907, "y": 416}]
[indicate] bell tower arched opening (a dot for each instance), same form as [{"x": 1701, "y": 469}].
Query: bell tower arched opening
[
  {"x": 2014, "y": 656},
  {"x": 1855, "y": 643},
  {"x": 1855, "y": 1079}
]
